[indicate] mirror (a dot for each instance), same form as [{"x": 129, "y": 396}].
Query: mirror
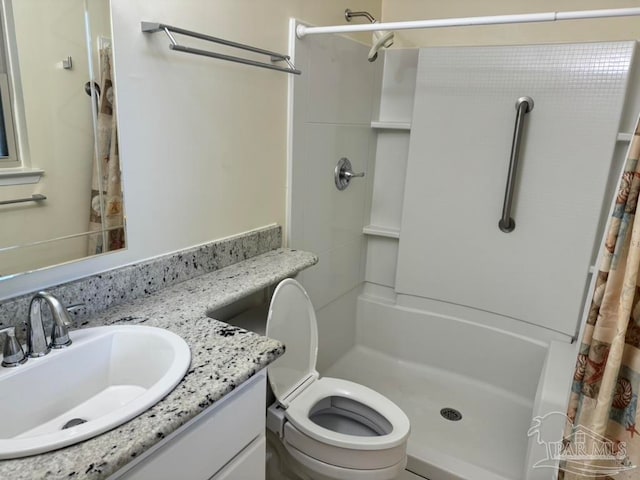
[{"x": 58, "y": 135}]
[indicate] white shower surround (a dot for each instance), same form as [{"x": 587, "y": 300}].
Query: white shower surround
[
  {"x": 465, "y": 365},
  {"x": 423, "y": 355}
]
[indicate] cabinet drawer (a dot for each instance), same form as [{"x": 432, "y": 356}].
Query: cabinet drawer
[
  {"x": 203, "y": 446},
  {"x": 248, "y": 464}
]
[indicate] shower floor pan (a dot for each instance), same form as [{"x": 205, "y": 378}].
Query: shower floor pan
[{"x": 488, "y": 443}]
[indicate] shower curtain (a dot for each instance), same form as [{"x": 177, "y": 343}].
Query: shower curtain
[
  {"x": 106, "y": 212},
  {"x": 606, "y": 382}
]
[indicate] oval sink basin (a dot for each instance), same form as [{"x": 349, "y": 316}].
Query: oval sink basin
[{"x": 108, "y": 375}]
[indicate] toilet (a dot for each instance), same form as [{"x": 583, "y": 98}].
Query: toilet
[{"x": 329, "y": 428}]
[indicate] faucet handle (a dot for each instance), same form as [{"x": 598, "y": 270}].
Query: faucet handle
[
  {"x": 60, "y": 332},
  {"x": 13, "y": 355}
]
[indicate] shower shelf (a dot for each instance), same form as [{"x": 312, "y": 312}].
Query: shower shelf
[
  {"x": 378, "y": 231},
  {"x": 391, "y": 125}
]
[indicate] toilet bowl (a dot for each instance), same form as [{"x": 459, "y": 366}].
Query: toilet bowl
[{"x": 330, "y": 428}]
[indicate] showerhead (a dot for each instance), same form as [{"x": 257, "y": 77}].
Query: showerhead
[
  {"x": 380, "y": 40},
  {"x": 348, "y": 15}
]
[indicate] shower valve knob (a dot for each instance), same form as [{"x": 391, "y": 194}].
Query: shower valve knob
[{"x": 343, "y": 173}]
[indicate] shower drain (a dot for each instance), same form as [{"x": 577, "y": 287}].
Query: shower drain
[{"x": 451, "y": 414}]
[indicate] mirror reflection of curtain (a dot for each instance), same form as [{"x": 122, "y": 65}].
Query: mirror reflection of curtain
[{"x": 106, "y": 213}]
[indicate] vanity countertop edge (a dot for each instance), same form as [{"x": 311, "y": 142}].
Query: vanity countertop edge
[{"x": 222, "y": 358}]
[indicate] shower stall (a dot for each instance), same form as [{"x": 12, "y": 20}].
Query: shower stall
[{"x": 469, "y": 327}]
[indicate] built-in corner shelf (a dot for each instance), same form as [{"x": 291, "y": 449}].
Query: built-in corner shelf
[
  {"x": 378, "y": 231},
  {"x": 624, "y": 137},
  {"x": 391, "y": 125}
]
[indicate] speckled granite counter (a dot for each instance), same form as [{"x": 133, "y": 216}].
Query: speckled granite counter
[{"x": 222, "y": 358}]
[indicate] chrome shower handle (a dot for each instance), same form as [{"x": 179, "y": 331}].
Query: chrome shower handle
[
  {"x": 351, "y": 175},
  {"x": 343, "y": 173}
]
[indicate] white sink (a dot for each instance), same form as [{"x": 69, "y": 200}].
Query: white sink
[{"x": 108, "y": 375}]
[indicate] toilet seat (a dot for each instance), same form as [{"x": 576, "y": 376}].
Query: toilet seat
[
  {"x": 298, "y": 414},
  {"x": 338, "y": 423}
]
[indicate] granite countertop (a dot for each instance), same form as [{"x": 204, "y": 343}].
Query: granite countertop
[{"x": 222, "y": 357}]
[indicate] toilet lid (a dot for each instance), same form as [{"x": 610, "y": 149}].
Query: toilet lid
[{"x": 292, "y": 320}]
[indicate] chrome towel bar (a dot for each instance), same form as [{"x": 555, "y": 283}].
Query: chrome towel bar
[
  {"x": 33, "y": 198},
  {"x": 523, "y": 106},
  {"x": 151, "y": 27}
]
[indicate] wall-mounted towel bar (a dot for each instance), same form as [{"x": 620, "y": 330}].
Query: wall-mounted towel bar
[
  {"x": 33, "y": 198},
  {"x": 151, "y": 27}
]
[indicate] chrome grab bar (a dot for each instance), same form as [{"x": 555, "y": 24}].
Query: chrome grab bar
[
  {"x": 523, "y": 106},
  {"x": 37, "y": 197}
]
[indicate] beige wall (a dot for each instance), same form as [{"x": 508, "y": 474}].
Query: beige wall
[
  {"x": 568, "y": 31},
  {"x": 203, "y": 142}
]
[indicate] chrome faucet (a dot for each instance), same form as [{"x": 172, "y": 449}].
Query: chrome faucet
[{"x": 37, "y": 345}]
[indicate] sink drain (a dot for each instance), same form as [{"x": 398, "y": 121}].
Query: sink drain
[
  {"x": 451, "y": 414},
  {"x": 74, "y": 422}
]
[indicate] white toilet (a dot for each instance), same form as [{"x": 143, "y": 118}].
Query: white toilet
[{"x": 330, "y": 428}]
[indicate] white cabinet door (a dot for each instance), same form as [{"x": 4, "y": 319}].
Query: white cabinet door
[
  {"x": 249, "y": 464},
  {"x": 205, "y": 445}
]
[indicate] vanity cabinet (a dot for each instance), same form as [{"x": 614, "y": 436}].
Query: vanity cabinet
[{"x": 225, "y": 442}]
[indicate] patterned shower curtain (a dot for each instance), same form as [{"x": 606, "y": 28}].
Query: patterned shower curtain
[
  {"x": 106, "y": 211},
  {"x": 604, "y": 397}
]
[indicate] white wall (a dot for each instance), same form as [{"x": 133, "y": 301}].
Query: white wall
[
  {"x": 382, "y": 252},
  {"x": 203, "y": 142},
  {"x": 387, "y": 203},
  {"x": 451, "y": 248},
  {"x": 332, "y": 112}
]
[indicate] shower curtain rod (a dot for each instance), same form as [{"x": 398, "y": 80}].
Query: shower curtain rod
[{"x": 302, "y": 30}]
